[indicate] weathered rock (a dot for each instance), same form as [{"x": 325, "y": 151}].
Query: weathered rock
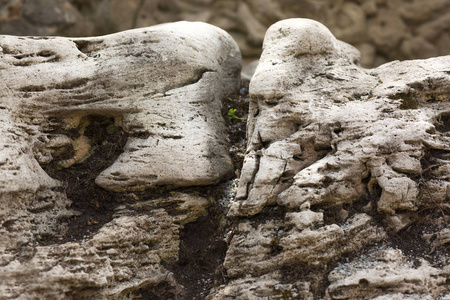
[
  {"x": 161, "y": 85},
  {"x": 339, "y": 158},
  {"x": 186, "y": 208},
  {"x": 261, "y": 287},
  {"x": 167, "y": 99},
  {"x": 386, "y": 274},
  {"x": 403, "y": 29},
  {"x": 344, "y": 192},
  {"x": 125, "y": 255}
]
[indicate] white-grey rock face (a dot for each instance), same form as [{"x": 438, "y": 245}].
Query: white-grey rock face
[
  {"x": 338, "y": 158},
  {"x": 344, "y": 192},
  {"x": 388, "y": 269},
  {"x": 161, "y": 85},
  {"x": 124, "y": 255}
]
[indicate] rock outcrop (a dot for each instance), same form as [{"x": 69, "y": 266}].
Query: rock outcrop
[
  {"x": 343, "y": 194},
  {"x": 61, "y": 99},
  {"x": 340, "y": 160},
  {"x": 381, "y": 30}
]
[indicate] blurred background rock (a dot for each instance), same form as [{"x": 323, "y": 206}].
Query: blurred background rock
[{"x": 383, "y": 30}]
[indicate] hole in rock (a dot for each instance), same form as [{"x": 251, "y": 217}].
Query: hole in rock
[
  {"x": 364, "y": 282},
  {"x": 297, "y": 157},
  {"x": 87, "y": 47},
  {"x": 81, "y": 45},
  {"x": 316, "y": 276},
  {"x": 443, "y": 123},
  {"x": 45, "y": 53},
  {"x": 338, "y": 130},
  {"x": 95, "y": 204},
  {"x": 412, "y": 243}
]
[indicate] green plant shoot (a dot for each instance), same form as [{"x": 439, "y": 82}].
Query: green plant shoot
[{"x": 232, "y": 115}]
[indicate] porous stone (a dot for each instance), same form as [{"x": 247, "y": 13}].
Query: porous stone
[
  {"x": 339, "y": 159},
  {"x": 386, "y": 274},
  {"x": 260, "y": 287},
  {"x": 185, "y": 207},
  {"x": 162, "y": 86},
  {"x": 125, "y": 255}
]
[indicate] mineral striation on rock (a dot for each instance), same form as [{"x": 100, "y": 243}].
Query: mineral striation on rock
[
  {"x": 339, "y": 159},
  {"x": 160, "y": 85}
]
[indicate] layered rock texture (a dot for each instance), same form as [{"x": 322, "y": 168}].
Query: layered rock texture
[
  {"x": 382, "y": 30},
  {"x": 344, "y": 191},
  {"x": 61, "y": 101},
  {"x": 341, "y": 160}
]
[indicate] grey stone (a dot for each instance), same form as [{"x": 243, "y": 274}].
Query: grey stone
[
  {"x": 162, "y": 85},
  {"x": 330, "y": 147}
]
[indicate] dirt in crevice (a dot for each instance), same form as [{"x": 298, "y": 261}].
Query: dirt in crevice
[
  {"x": 428, "y": 220},
  {"x": 270, "y": 212},
  {"x": 95, "y": 205},
  {"x": 443, "y": 123},
  {"x": 163, "y": 291},
  {"x": 413, "y": 241},
  {"x": 317, "y": 277},
  {"x": 236, "y": 122},
  {"x": 202, "y": 243},
  {"x": 202, "y": 253}
]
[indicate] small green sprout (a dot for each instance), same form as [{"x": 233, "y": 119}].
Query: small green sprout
[{"x": 232, "y": 115}]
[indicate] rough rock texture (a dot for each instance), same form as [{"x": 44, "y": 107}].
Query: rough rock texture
[
  {"x": 125, "y": 255},
  {"x": 387, "y": 274},
  {"x": 339, "y": 160},
  {"x": 161, "y": 86},
  {"x": 344, "y": 192},
  {"x": 382, "y": 30}
]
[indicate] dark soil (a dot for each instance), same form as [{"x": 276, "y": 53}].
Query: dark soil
[
  {"x": 202, "y": 244},
  {"x": 95, "y": 205},
  {"x": 443, "y": 124},
  {"x": 236, "y": 128},
  {"x": 426, "y": 219},
  {"x": 317, "y": 277},
  {"x": 163, "y": 291},
  {"x": 202, "y": 252}
]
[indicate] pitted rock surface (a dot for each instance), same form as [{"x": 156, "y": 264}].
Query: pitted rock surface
[
  {"x": 339, "y": 159},
  {"x": 344, "y": 192},
  {"x": 124, "y": 255},
  {"x": 162, "y": 86}
]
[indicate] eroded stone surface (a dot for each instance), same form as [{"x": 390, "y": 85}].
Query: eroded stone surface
[
  {"x": 161, "y": 85},
  {"x": 381, "y": 30},
  {"x": 124, "y": 255},
  {"x": 387, "y": 274},
  {"x": 344, "y": 192},
  {"x": 340, "y": 158}
]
